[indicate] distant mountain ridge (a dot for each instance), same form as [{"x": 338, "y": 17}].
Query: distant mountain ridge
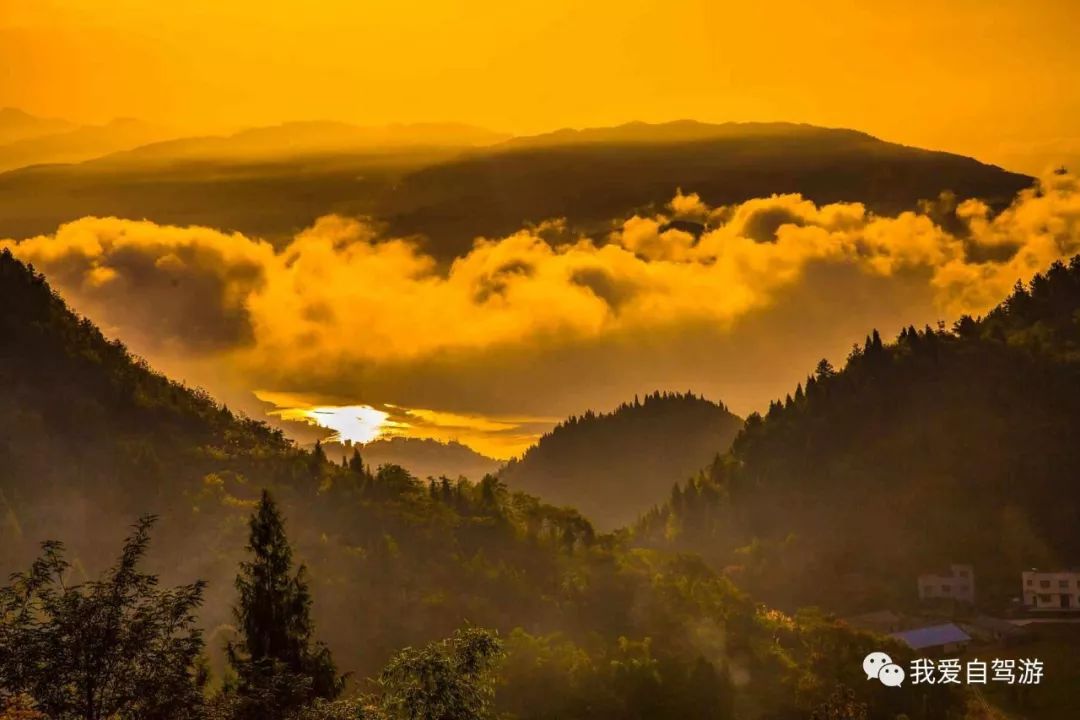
[
  {"x": 273, "y": 182},
  {"x": 423, "y": 457},
  {"x": 308, "y": 138},
  {"x": 613, "y": 466},
  {"x": 27, "y": 140},
  {"x": 675, "y": 131},
  {"x": 60, "y": 142},
  {"x": 591, "y": 177},
  {"x": 17, "y": 125}
]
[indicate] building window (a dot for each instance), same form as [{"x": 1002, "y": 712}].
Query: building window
[
  {"x": 946, "y": 589},
  {"x": 1044, "y": 583},
  {"x": 1063, "y": 584},
  {"x": 1029, "y": 582},
  {"x": 962, "y": 573},
  {"x": 1044, "y": 598}
]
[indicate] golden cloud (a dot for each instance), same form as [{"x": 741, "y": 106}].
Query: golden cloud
[{"x": 341, "y": 305}]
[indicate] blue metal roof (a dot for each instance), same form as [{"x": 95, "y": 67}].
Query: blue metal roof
[{"x": 933, "y": 636}]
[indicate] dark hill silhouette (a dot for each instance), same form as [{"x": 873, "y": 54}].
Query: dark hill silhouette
[
  {"x": 271, "y": 198},
  {"x": 424, "y": 457},
  {"x": 612, "y": 466},
  {"x": 593, "y": 176},
  {"x": 945, "y": 446},
  {"x": 676, "y": 131},
  {"x": 455, "y": 192}
]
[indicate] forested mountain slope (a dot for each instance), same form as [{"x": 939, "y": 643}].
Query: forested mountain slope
[
  {"x": 613, "y": 466},
  {"x": 944, "y": 446},
  {"x": 89, "y": 437}
]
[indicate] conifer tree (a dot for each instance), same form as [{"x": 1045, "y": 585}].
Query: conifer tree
[
  {"x": 317, "y": 459},
  {"x": 824, "y": 370},
  {"x": 278, "y": 665},
  {"x": 356, "y": 463}
]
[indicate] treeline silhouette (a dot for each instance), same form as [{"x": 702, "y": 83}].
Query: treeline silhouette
[
  {"x": 946, "y": 445},
  {"x": 120, "y": 647},
  {"x": 613, "y": 466},
  {"x": 441, "y": 599}
]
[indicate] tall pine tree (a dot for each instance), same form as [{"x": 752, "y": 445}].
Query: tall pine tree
[
  {"x": 278, "y": 665},
  {"x": 356, "y": 463}
]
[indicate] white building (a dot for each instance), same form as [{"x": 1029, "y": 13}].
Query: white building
[
  {"x": 958, "y": 583},
  {"x": 1059, "y": 590}
]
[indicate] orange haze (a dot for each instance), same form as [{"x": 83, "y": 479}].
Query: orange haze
[{"x": 997, "y": 80}]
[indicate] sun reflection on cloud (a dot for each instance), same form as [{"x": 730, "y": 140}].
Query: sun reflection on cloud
[
  {"x": 350, "y": 423},
  {"x": 499, "y": 437}
]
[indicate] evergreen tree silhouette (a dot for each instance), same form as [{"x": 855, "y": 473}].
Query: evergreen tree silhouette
[{"x": 278, "y": 665}]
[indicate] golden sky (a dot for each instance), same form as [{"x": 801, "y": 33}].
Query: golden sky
[
  {"x": 993, "y": 78},
  {"x": 364, "y": 333}
]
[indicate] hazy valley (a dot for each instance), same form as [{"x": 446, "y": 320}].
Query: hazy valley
[{"x": 646, "y": 555}]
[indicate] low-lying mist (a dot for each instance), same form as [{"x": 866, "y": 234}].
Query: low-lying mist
[{"x": 734, "y": 301}]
